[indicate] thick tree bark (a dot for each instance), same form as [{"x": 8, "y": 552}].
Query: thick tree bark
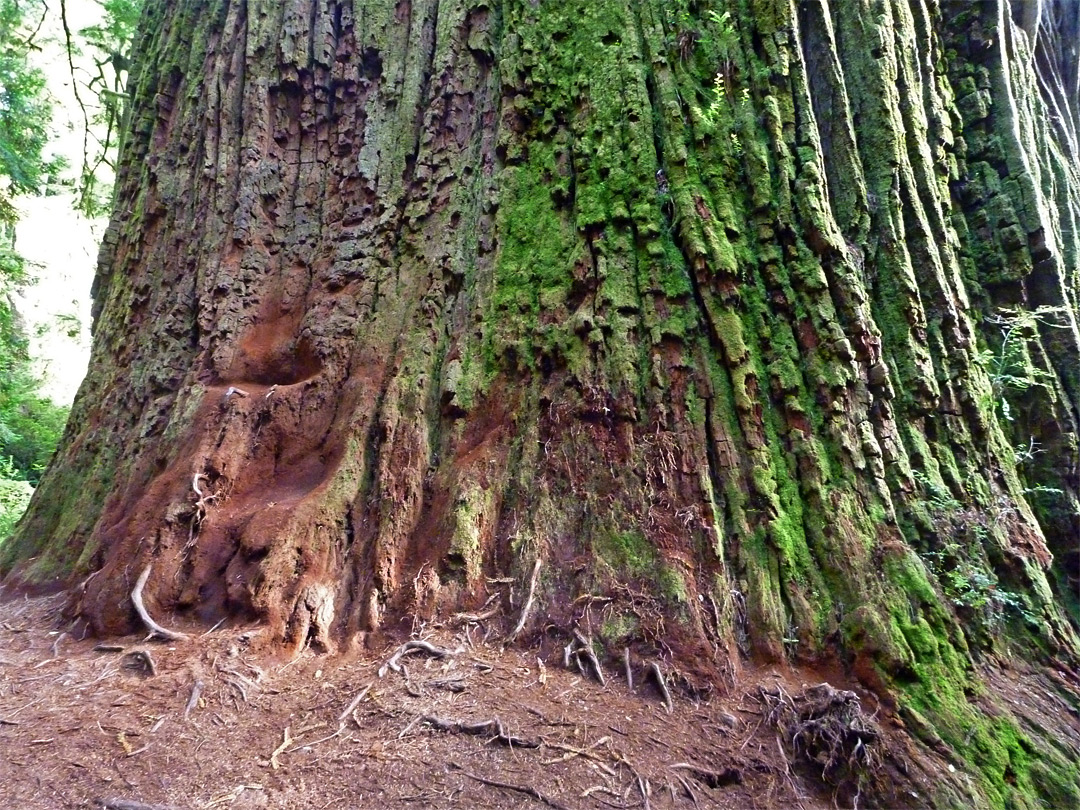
[{"x": 731, "y": 317}]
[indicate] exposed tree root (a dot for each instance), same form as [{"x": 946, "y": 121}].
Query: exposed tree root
[
  {"x": 661, "y": 684},
  {"x": 488, "y": 728},
  {"x": 140, "y": 662},
  {"x": 709, "y": 777},
  {"x": 193, "y": 700},
  {"x": 486, "y": 612},
  {"x": 584, "y": 650},
  {"x": 129, "y": 804},
  {"x": 528, "y": 602},
  {"x": 410, "y": 647},
  {"x": 154, "y": 628},
  {"x": 528, "y": 791},
  {"x": 826, "y": 728},
  {"x": 204, "y": 499}
]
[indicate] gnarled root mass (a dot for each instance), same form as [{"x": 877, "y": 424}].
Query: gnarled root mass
[{"x": 826, "y": 728}]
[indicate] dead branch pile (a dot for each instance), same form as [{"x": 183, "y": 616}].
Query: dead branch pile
[{"x": 826, "y": 728}]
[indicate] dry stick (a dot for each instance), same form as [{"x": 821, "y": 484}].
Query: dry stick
[
  {"x": 220, "y": 622},
  {"x": 193, "y": 701},
  {"x": 645, "y": 788},
  {"x": 154, "y": 628},
  {"x": 629, "y": 671},
  {"x": 528, "y": 791},
  {"x": 287, "y": 740},
  {"x": 658, "y": 676},
  {"x": 528, "y": 602},
  {"x": 689, "y": 790},
  {"x": 354, "y": 703}
]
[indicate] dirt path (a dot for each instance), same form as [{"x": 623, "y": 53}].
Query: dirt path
[{"x": 89, "y": 725}]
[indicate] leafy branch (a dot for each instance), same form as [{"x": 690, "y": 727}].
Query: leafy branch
[{"x": 110, "y": 44}]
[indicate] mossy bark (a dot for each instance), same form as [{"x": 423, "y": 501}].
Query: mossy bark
[{"x": 700, "y": 304}]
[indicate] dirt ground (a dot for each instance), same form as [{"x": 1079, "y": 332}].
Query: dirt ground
[{"x": 114, "y": 724}]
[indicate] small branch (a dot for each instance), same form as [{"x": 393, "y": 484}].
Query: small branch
[
  {"x": 528, "y": 791},
  {"x": 154, "y": 628},
  {"x": 354, "y": 703},
  {"x": 528, "y": 602},
  {"x": 629, "y": 671},
  {"x": 658, "y": 676},
  {"x": 286, "y": 741}
]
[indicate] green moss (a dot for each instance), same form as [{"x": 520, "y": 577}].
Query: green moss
[
  {"x": 628, "y": 552},
  {"x": 619, "y": 627}
]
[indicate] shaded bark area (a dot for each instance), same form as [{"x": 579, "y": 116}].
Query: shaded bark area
[{"x": 722, "y": 313}]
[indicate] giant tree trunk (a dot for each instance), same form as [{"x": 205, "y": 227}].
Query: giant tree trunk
[{"x": 732, "y": 318}]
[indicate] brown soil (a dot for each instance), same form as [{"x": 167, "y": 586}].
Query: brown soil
[{"x": 83, "y": 725}]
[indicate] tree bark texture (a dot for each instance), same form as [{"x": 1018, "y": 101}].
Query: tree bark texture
[{"x": 733, "y": 315}]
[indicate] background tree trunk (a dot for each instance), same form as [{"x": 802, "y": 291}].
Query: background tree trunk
[{"x": 732, "y": 316}]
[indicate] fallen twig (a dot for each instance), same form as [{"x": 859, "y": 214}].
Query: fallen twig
[
  {"x": 528, "y": 791},
  {"x": 629, "y": 671},
  {"x": 658, "y": 676},
  {"x": 494, "y": 728},
  {"x": 410, "y": 647},
  {"x": 154, "y": 628},
  {"x": 528, "y": 602},
  {"x": 286, "y": 741},
  {"x": 353, "y": 704}
]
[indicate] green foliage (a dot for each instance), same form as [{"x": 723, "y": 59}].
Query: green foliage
[
  {"x": 970, "y": 586},
  {"x": 110, "y": 45},
  {"x": 1010, "y": 366},
  {"x": 968, "y": 583},
  {"x": 30, "y": 425},
  {"x": 24, "y": 110},
  {"x": 14, "y": 496}
]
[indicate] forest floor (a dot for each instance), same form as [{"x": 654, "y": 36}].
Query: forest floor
[{"x": 115, "y": 725}]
